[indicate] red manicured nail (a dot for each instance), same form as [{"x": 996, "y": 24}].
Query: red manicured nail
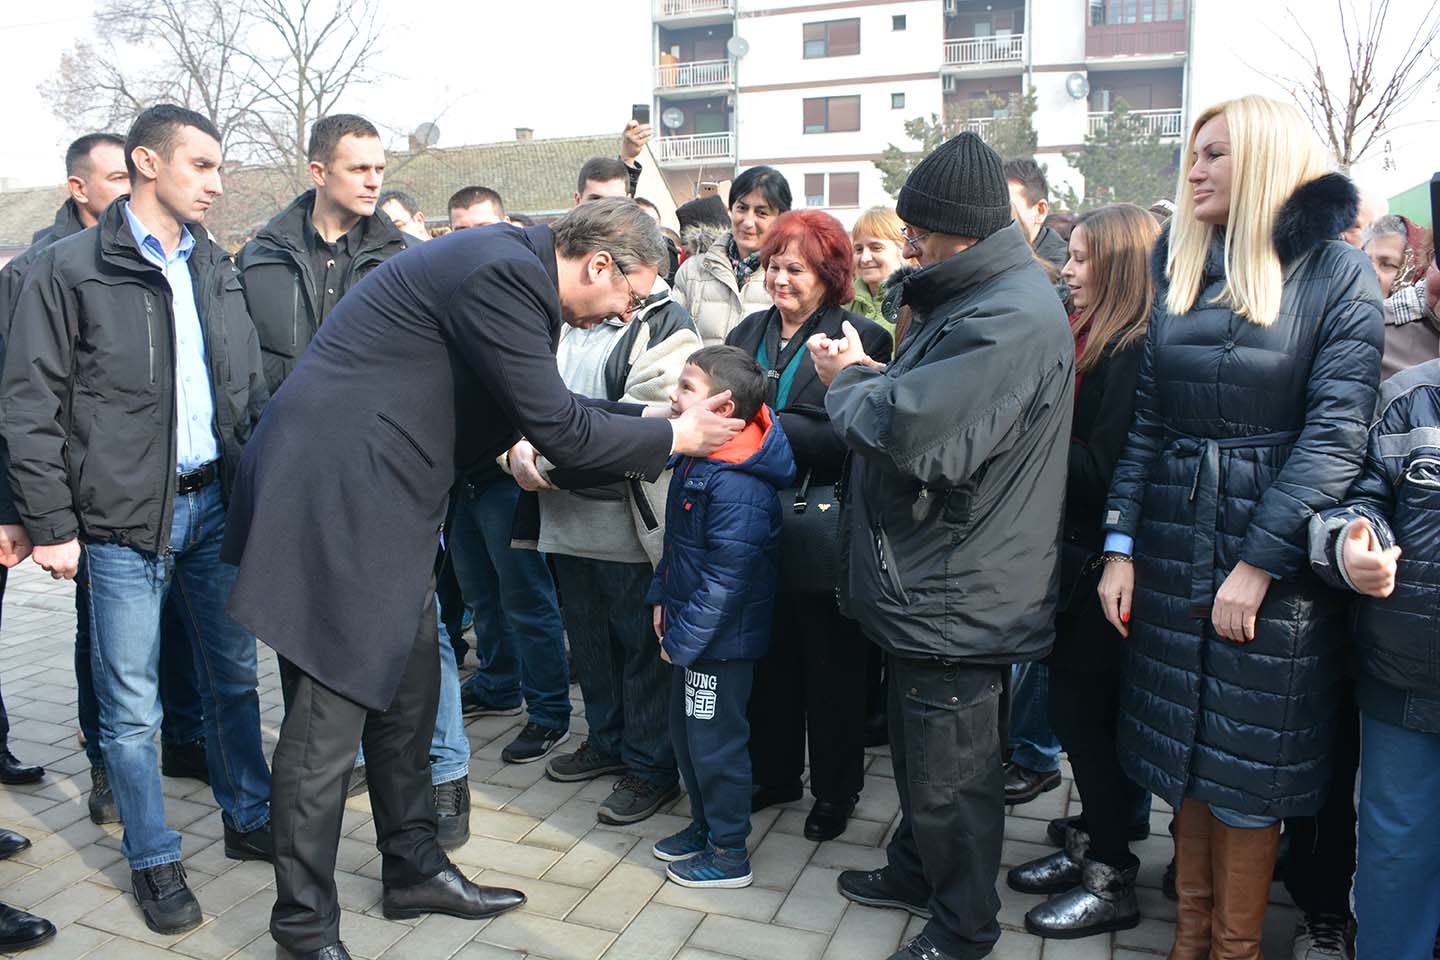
[{"x": 1125, "y": 617}]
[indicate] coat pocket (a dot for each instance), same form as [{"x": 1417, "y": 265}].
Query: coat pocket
[
  {"x": 404, "y": 435},
  {"x": 891, "y": 583}
]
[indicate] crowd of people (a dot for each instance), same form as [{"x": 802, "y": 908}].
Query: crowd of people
[{"x": 1159, "y": 489}]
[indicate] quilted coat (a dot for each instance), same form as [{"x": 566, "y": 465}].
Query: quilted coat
[
  {"x": 716, "y": 580},
  {"x": 1241, "y": 433},
  {"x": 706, "y": 286},
  {"x": 1397, "y": 639}
]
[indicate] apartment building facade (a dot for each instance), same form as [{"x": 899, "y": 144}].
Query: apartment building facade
[{"x": 818, "y": 89}]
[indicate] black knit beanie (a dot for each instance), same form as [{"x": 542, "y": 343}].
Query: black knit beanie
[{"x": 958, "y": 189}]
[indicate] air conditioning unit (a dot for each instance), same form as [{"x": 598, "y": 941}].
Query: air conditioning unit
[
  {"x": 947, "y": 83},
  {"x": 952, "y": 7}
]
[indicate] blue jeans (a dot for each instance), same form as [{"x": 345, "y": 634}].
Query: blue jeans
[
  {"x": 1397, "y": 894},
  {"x": 518, "y": 636},
  {"x": 128, "y": 589},
  {"x": 183, "y": 721},
  {"x": 1033, "y": 745}
]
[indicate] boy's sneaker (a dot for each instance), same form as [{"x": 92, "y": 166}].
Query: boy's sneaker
[
  {"x": 534, "y": 743},
  {"x": 633, "y": 799},
  {"x": 713, "y": 867},
  {"x": 587, "y": 763},
  {"x": 476, "y": 706},
  {"x": 691, "y": 841}
]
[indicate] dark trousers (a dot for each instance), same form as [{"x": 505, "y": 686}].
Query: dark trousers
[
  {"x": 1322, "y": 848},
  {"x": 813, "y": 680},
  {"x": 1085, "y": 709},
  {"x": 945, "y": 737},
  {"x": 710, "y": 729},
  {"x": 4, "y": 717},
  {"x": 312, "y": 765},
  {"x": 183, "y": 719},
  {"x": 622, "y": 678}
]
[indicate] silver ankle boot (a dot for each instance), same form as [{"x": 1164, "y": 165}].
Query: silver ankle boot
[
  {"x": 1104, "y": 901},
  {"x": 1055, "y": 873}
]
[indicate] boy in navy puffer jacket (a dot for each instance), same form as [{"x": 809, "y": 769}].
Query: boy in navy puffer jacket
[
  {"x": 714, "y": 593},
  {"x": 1384, "y": 543}
]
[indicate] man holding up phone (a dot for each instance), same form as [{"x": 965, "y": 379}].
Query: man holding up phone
[{"x": 636, "y": 135}]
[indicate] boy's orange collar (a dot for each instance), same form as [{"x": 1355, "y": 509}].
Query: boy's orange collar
[{"x": 747, "y": 442}]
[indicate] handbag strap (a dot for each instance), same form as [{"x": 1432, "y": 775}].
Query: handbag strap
[{"x": 802, "y": 501}]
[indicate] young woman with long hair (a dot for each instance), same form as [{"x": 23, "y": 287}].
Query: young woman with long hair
[
  {"x": 1256, "y": 388},
  {"x": 1093, "y": 877}
]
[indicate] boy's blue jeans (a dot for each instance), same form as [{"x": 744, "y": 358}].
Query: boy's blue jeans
[
  {"x": 711, "y": 731},
  {"x": 1033, "y": 745},
  {"x": 128, "y": 588},
  {"x": 1397, "y": 875}
]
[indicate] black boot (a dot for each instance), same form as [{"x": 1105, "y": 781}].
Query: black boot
[
  {"x": 13, "y": 772},
  {"x": 828, "y": 818},
  {"x": 102, "y": 801},
  {"x": 21, "y": 931},
  {"x": 452, "y": 810},
  {"x": 185, "y": 760},
  {"x": 258, "y": 844},
  {"x": 165, "y": 899},
  {"x": 1104, "y": 901}
]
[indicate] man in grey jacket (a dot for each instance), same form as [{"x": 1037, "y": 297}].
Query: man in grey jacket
[{"x": 951, "y": 520}]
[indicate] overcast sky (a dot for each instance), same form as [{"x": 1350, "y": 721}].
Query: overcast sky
[{"x": 572, "y": 67}]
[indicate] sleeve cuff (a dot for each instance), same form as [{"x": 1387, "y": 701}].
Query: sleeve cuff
[{"x": 1119, "y": 543}]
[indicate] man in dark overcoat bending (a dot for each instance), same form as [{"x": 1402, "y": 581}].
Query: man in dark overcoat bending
[{"x": 440, "y": 358}]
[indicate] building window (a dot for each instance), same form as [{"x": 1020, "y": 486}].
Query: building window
[
  {"x": 844, "y": 190},
  {"x": 897, "y": 101},
  {"x": 897, "y": 22},
  {"x": 832, "y": 38},
  {"x": 1135, "y": 11},
  {"x": 831, "y": 114}
]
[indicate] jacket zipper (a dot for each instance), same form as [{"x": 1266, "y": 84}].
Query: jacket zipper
[
  {"x": 887, "y": 564},
  {"x": 150, "y": 332},
  {"x": 295, "y": 312}
]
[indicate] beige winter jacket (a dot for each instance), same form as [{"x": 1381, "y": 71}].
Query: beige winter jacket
[{"x": 705, "y": 285}]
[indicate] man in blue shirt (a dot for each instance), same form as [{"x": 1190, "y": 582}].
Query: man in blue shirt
[{"x": 131, "y": 381}]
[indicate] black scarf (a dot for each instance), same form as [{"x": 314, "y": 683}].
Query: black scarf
[{"x": 743, "y": 266}]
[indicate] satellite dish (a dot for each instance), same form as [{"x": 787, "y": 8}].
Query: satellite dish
[
  {"x": 427, "y": 134},
  {"x": 737, "y": 47},
  {"x": 1077, "y": 86},
  {"x": 673, "y": 118}
]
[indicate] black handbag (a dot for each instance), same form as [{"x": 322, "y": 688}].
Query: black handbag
[{"x": 809, "y": 538}]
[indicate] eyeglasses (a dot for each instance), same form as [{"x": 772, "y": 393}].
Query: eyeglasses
[
  {"x": 915, "y": 238},
  {"x": 636, "y": 301}
]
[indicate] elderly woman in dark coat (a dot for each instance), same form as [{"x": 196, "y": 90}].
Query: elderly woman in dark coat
[
  {"x": 814, "y": 676},
  {"x": 1256, "y": 388}
]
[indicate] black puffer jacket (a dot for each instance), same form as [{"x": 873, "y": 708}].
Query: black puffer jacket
[
  {"x": 1397, "y": 639},
  {"x": 1240, "y": 433},
  {"x": 950, "y": 523},
  {"x": 89, "y": 385},
  {"x": 280, "y": 284}
]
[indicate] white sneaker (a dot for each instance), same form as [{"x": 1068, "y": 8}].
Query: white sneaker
[{"x": 1322, "y": 936}]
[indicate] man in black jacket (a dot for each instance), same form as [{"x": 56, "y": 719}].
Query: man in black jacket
[
  {"x": 305, "y": 259},
  {"x": 952, "y": 517},
  {"x": 433, "y": 363},
  {"x": 1030, "y": 199},
  {"x": 131, "y": 382},
  {"x": 95, "y": 175}
]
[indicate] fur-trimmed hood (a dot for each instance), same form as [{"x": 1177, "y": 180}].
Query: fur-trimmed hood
[{"x": 1318, "y": 210}]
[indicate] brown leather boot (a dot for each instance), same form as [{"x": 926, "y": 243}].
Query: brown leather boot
[
  {"x": 1243, "y": 864},
  {"x": 1193, "y": 825}
]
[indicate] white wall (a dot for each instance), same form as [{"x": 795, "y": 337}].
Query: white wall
[
  {"x": 872, "y": 193},
  {"x": 1055, "y": 31},
  {"x": 777, "y": 47},
  {"x": 771, "y": 125}
]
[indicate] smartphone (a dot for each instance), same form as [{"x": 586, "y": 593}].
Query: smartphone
[
  {"x": 709, "y": 188},
  {"x": 1435, "y": 209},
  {"x": 640, "y": 112}
]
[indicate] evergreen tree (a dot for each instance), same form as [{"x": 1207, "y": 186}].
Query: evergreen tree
[
  {"x": 1010, "y": 135},
  {"x": 1123, "y": 161}
]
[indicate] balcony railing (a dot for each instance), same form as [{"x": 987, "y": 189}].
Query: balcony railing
[
  {"x": 666, "y": 9},
  {"x": 1168, "y": 122},
  {"x": 700, "y": 73},
  {"x": 979, "y": 51},
  {"x": 696, "y": 148},
  {"x": 976, "y": 125}
]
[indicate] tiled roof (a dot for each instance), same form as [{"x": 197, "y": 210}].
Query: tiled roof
[{"x": 534, "y": 176}]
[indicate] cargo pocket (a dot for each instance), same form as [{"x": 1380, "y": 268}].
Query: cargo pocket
[{"x": 952, "y": 721}]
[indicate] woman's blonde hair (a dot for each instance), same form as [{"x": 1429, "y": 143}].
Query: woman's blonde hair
[
  {"x": 1272, "y": 152},
  {"x": 879, "y": 222},
  {"x": 1118, "y": 240}
]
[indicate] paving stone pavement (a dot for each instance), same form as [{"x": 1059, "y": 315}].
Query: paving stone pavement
[{"x": 594, "y": 891}]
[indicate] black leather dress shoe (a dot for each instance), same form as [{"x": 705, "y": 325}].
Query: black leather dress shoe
[
  {"x": 331, "y": 951},
  {"x": 762, "y": 797},
  {"x": 185, "y": 760},
  {"x": 21, "y": 931},
  {"x": 452, "y": 812},
  {"x": 828, "y": 818},
  {"x": 258, "y": 844},
  {"x": 11, "y": 843},
  {"x": 1023, "y": 784},
  {"x": 448, "y": 892},
  {"x": 13, "y": 772}
]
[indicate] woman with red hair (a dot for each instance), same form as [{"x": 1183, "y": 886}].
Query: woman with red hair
[{"x": 815, "y": 673}]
